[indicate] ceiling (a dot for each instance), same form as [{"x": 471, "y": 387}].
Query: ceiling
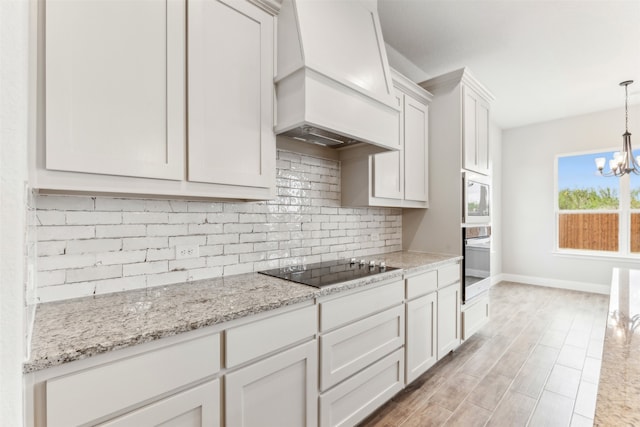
[{"x": 542, "y": 60}]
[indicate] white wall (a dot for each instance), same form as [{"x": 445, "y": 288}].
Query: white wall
[
  {"x": 13, "y": 174},
  {"x": 528, "y": 156},
  {"x": 404, "y": 66},
  {"x": 495, "y": 139}
]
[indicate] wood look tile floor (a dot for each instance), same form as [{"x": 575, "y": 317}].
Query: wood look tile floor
[{"x": 536, "y": 363}]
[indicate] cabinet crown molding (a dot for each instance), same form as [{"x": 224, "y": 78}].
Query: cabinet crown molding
[
  {"x": 453, "y": 78},
  {"x": 270, "y": 6},
  {"x": 408, "y": 86}
]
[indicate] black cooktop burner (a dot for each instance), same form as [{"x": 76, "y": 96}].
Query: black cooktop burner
[{"x": 326, "y": 273}]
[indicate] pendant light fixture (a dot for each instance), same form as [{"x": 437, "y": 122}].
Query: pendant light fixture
[{"x": 623, "y": 161}]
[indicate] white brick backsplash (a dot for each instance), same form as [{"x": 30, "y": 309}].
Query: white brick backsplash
[
  {"x": 93, "y": 218},
  {"x": 187, "y": 264},
  {"x": 120, "y": 257},
  {"x": 204, "y": 207},
  {"x": 51, "y": 248},
  {"x": 66, "y": 291},
  {"x": 60, "y": 262},
  {"x": 211, "y": 250},
  {"x": 137, "y": 230},
  {"x": 120, "y": 284},
  {"x": 132, "y": 243},
  {"x": 187, "y": 218},
  {"x": 204, "y": 273},
  {"x": 206, "y": 228},
  {"x": 167, "y": 278},
  {"x": 145, "y": 268},
  {"x": 167, "y": 230},
  {"x": 219, "y": 239},
  {"x": 187, "y": 240},
  {"x": 253, "y": 237},
  {"x": 215, "y": 261},
  {"x": 48, "y": 278},
  {"x": 93, "y": 245},
  {"x": 160, "y": 254},
  {"x": 65, "y": 232},
  {"x": 64, "y": 203},
  {"x": 50, "y": 218},
  {"x": 108, "y": 204},
  {"x": 145, "y": 217},
  {"x": 94, "y": 273}
]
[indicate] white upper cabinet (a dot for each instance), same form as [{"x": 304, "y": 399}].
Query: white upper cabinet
[
  {"x": 231, "y": 139},
  {"x": 115, "y": 95},
  {"x": 475, "y": 132},
  {"x": 114, "y": 114},
  {"x": 399, "y": 178}
]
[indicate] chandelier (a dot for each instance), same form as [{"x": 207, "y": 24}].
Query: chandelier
[{"x": 623, "y": 161}]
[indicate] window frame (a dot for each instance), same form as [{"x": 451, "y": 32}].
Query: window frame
[{"x": 624, "y": 212}]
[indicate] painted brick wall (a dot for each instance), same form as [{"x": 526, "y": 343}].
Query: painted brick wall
[{"x": 95, "y": 245}]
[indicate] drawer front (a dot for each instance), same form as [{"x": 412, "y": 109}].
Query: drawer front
[
  {"x": 345, "y": 309},
  {"x": 352, "y": 401},
  {"x": 475, "y": 316},
  {"x": 351, "y": 348},
  {"x": 87, "y": 395},
  {"x": 448, "y": 275},
  {"x": 197, "y": 407},
  {"x": 422, "y": 284},
  {"x": 253, "y": 340}
]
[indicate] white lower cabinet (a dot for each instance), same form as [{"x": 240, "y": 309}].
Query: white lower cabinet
[
  {"x": 279, "y": 391},
  {"x": 448, "y": 319},
  {"x": 196, "y": 407},
  {"x": 475, "y": 314},
  {"x": 420, "y": 346},
  {"x": 354, "y": 399}
]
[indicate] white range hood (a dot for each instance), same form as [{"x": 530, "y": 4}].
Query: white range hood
[{"x": 333, "y": 84}]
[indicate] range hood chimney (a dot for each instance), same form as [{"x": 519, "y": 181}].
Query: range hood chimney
[{"x": 333, "y": 83}]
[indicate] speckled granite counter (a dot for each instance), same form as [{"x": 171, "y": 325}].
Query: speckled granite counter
[
  {"x": 618, "y": 401},
  {"x": 75, "y": 329}
]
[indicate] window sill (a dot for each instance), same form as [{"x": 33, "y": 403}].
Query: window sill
[{"x": 604, "y": 256}]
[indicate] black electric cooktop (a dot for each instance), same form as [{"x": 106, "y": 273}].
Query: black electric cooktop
[{"x": 328, "y": 273}]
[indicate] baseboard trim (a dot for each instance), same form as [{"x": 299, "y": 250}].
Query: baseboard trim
[{"x": 552, "y": 283}]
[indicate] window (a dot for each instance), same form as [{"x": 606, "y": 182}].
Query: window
[{"x": 597, "y": 214}]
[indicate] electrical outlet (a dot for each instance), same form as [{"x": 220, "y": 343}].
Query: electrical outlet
[{"x": 187, "y": 251}]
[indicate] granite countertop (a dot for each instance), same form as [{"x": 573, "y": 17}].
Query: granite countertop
[
  {"x": 618, "y": 401},
  {"x": 75, "y": 329}
]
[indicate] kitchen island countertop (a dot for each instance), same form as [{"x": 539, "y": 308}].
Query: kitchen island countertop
[
  {"x": 75, "y": 329},
  {"x": 618, "y": 402}
]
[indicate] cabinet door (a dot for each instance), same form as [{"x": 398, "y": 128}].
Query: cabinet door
[
  {"x": 448, "y": 319},
  {"x": 196, "y": 407},
  {"x": 421, "y": 336},
  {"x": 416, "y": 119},
  {"x": 231, "y": 139},
  {"x": 278, "y": 391},
  {"x": 469, "y": 136},
  {"x": 388, "y": 168},
  {"x": 482, "y": 118},
  {"x": 115, "y": 95}
]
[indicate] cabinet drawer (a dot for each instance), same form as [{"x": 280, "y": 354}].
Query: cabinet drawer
[
  {"x": 255, "y": 339},
  {"x": 198, "y": 406},
  {"x": 474, "y": 316},
  {"x": 87, "y": 395},
  {"x": 448, "y": 275},
  {"x": 352, "y": 401},
  {"x": 345, "y": 309},
  {"x": 349, "y": 349},
  {"x": 422, "y": 284}
]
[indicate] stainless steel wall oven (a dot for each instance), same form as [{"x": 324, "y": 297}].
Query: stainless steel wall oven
[{"x": 476, "y": 243}]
